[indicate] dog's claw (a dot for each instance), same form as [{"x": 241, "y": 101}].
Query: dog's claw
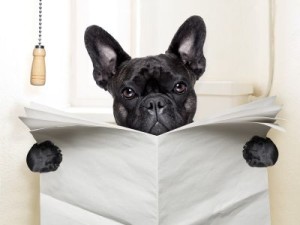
[
  {"x": 260, "y": 152},
  {"x": 44, "y": 157}
]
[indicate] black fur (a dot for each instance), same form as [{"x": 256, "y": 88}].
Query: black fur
[
  {"x": 44, "y": 157},
  {"x": 156, "y": 108},
  {"x": 146, "y": 92},
  {"x": 96, "y": 39},
  {"x": 260, "y": 152},
  {"x": 194, "y": 28}
]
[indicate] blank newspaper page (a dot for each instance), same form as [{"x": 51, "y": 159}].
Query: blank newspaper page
[{"x": 195, "y": 174}]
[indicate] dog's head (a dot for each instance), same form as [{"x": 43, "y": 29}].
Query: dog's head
[{"x": 153, "y": 94}]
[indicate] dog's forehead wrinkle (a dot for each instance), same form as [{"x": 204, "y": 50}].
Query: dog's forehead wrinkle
[
  {"x": 154, "y": 67},
  {"x": 151, "y": 74}
]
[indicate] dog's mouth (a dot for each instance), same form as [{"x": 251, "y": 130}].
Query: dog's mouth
[{"x": 158, "y": 128}]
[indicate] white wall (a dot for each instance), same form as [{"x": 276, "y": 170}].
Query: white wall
[
  {"x": 115, "y": 17},
  {"x": 236, "y": 49},
  {"x": 237, "y": 44},
  {"x": 285, "y": 176},
  {"x": 19, "y": 189}
]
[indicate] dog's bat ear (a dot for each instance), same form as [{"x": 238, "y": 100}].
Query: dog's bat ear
[
  {"x": 187, "y": 44},
  {"x": 106, "y": 54}
]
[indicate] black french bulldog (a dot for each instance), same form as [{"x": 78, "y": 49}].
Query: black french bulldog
[{"x": 153, "y": 94}]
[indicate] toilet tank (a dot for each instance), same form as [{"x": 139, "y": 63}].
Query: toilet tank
[{"x": 216, "y": 96}]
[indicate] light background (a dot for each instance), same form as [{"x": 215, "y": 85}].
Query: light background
[{"x": 237, "y": 49}]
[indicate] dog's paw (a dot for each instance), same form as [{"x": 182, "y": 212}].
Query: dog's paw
[
  {"x": 44, "y": 157},
  {"x": 260, "y": 152}
]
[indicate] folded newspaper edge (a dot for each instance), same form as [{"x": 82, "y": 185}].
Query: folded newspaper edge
[
  {"x": 260, "y": 111},
  {"x": 192, "y": 175}
]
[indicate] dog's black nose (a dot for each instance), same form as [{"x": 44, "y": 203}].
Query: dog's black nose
[{"x": 155, "y": 105}]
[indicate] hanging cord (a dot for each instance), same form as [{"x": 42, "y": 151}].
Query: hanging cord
[
  {"x": 38, "y": 69},
  {"x": 40, "y": 23}
]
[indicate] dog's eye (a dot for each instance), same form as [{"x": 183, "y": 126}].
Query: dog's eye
[
  {"x": 128, "y": 93},
  {"x": 180, "y": 88}
]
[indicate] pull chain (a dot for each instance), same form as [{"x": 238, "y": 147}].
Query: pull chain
[
  {"x": 38, "y": 69},
  {"x": 40, "y": 23}
]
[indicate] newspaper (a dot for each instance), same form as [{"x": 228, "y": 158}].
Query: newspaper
[{"x": 195, "y": 174}]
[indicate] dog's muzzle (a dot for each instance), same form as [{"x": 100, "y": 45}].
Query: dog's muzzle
[
  {"x": 155, "y": 105},
  {"x": 158, "y": 114}
]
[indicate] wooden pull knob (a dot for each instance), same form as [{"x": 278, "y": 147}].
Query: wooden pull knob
[{"x": 38, "y": 69}]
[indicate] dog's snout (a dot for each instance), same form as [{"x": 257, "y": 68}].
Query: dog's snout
[
  {"x": 149, "y": 105},
  {"x": 161, "y": 104},
  {"x": 155, "y": 105}
]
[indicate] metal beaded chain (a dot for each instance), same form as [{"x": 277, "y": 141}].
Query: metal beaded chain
[{"x": 40, "y": 24}]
